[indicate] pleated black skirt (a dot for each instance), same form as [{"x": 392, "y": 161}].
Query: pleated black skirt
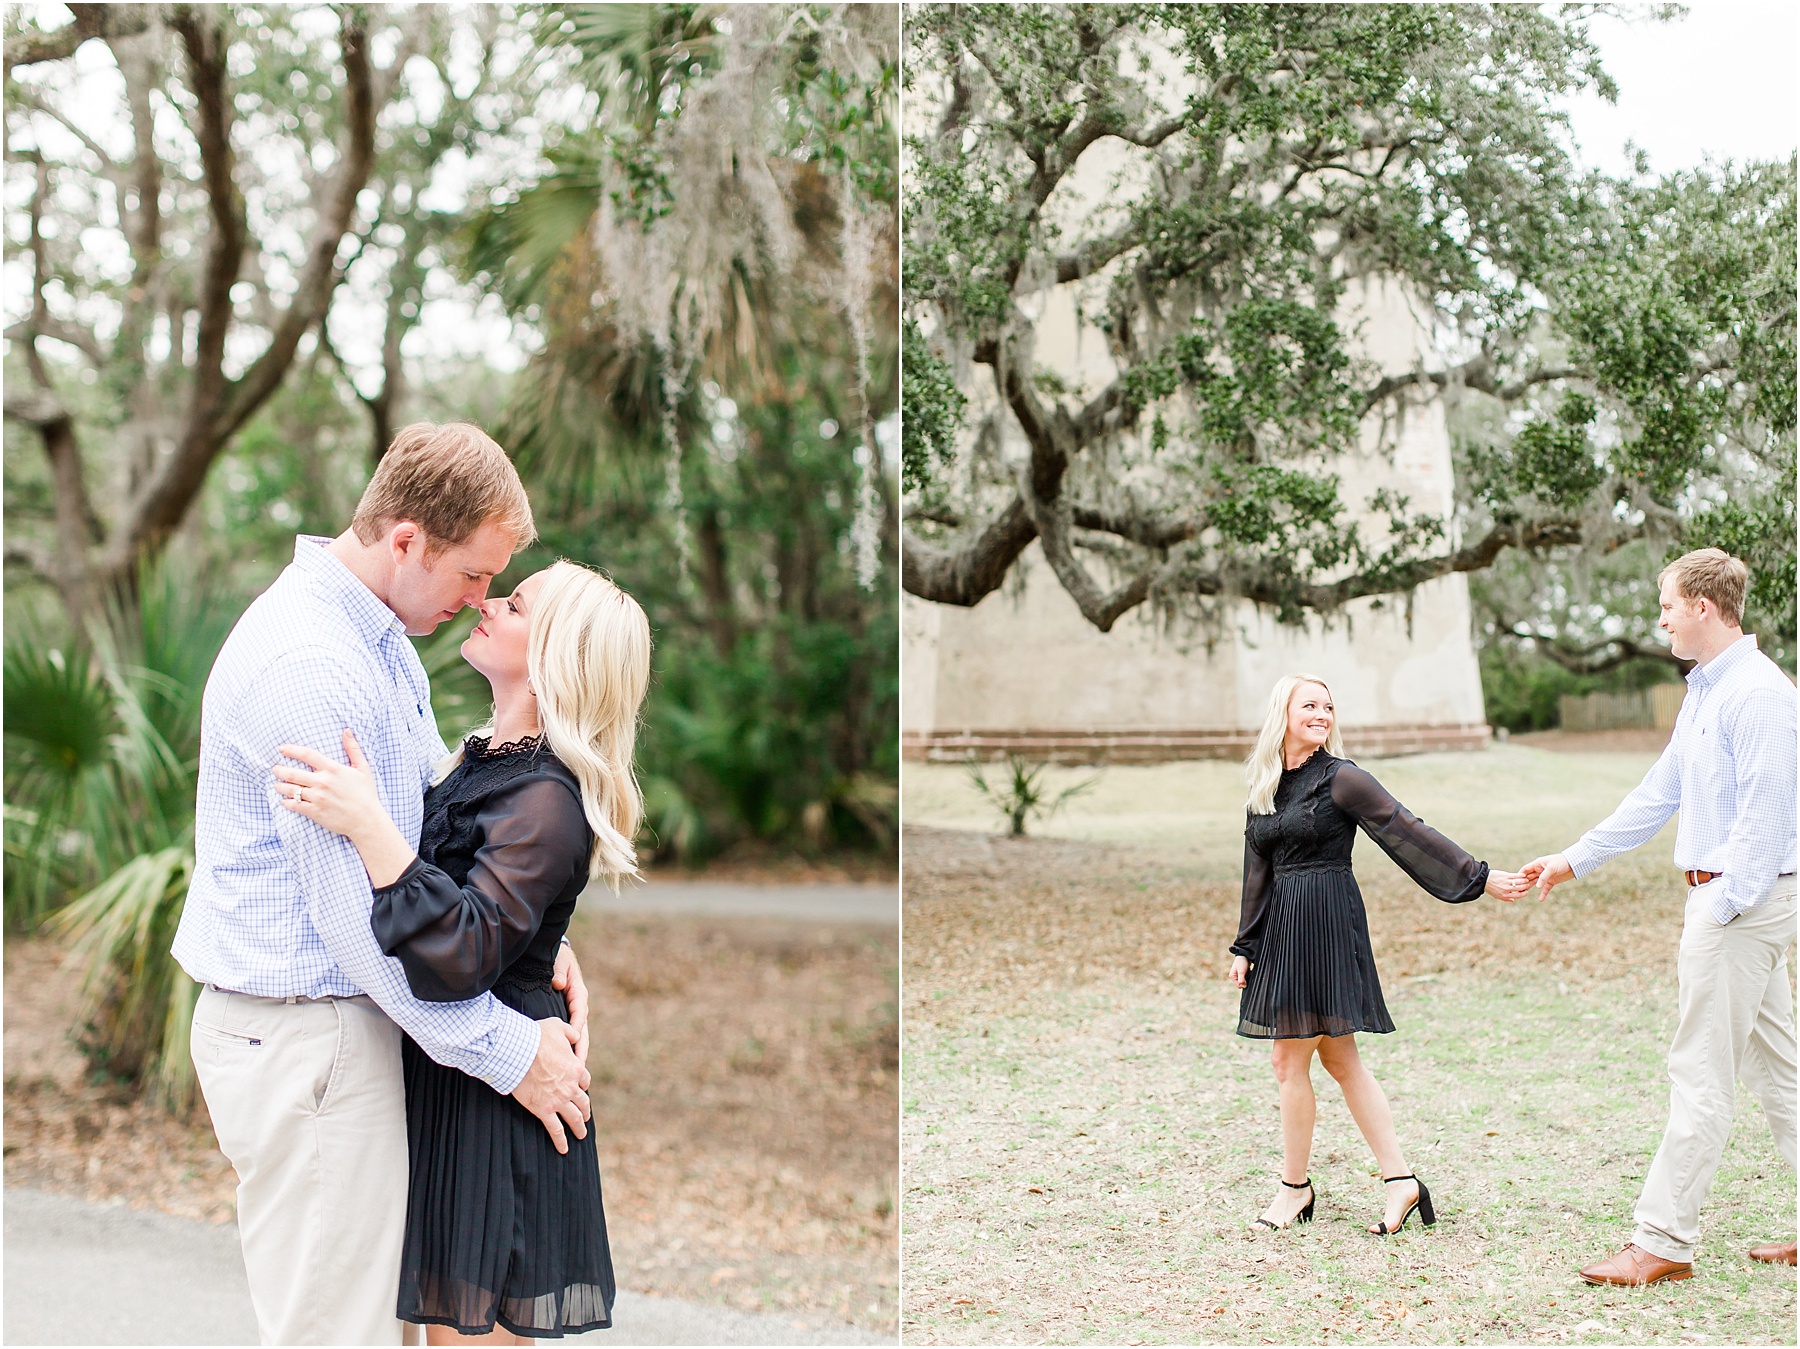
[
  {"x": 500, "y": 1227},
  {"x": 1315, "y": 970}
]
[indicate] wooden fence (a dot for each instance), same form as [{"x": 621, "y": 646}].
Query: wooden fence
[{"x": 1651, "y": 709}]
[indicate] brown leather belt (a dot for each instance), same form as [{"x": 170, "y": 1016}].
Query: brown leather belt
[{"x": 1701, "y": 877}]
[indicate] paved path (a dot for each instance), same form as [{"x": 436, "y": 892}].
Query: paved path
[
  {"x": 81, "y": 1273},
  {"x": 716, "y": 899}
]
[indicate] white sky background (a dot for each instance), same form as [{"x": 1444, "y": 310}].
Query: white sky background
[{"x": 1719, "y": 82}]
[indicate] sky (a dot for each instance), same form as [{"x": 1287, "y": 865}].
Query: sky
[{"x": 1718, "y": 82}]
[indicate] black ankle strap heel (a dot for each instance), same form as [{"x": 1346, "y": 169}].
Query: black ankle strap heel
[
  {"x": 1427, "y": 1215},
  {"x": 1303, "y": 1216}
]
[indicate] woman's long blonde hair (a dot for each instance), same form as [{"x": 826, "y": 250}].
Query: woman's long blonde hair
[
  {"x": 1264, "y": 765},
  {"x": 588, "y": 656}
]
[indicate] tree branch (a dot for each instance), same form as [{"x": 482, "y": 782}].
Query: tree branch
[
  {"x": 1386, "y": 579},
  {"x": 1092, "y": 256},
  {"x": 1475, "y": 374},
  {"x": 969, "y": 574},
  {"x": 46, "y": 412},
  {"x": 958, "y": 106},
  {"x": 218, "y": 406},
  {"x": 205, "y": 47},
  {"x": 91, "y": 21},
  {"x": 1597, "y": 657},
  {"x": 1152, "y": 136},
  {"x": 1158, "y": 534},
  {"x": 318, "y": 275},
  {"x": 1100, "y": 608},
  {"x": 57, "y": 330},
  {"x": 66, "y": 567},
  {"x": 109, "y": 167}
]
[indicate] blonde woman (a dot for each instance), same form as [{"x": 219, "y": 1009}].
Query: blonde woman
[
  {"x": 503, "y": 1228},
  {"x": 1302, "y": 954}
]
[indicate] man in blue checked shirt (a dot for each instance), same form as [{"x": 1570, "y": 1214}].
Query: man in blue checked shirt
[
  {"x": 1729, "y": 771},
  {"x": 296, "y": 1037}
]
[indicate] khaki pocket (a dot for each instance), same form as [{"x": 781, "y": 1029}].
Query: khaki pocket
[
  {"x": 339, "y": 1052},
  {"x": 225, "y": 1048}
]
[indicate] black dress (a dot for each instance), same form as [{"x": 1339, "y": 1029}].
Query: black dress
[
  {"x": 1312, "y": 971},
  {"x": 499, "y": 1225}
]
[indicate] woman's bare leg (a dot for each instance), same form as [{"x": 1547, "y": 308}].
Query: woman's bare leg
[
  {"x": 1369, "y": 1108},
  {"x": 1299, "y": 1110},
  {"x": 450, "y": 1335}
]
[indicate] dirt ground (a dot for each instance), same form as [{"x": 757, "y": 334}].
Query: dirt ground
[{"x": 745, "y": 1101}]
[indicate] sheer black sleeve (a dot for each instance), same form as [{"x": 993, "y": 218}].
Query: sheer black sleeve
[
  {"x": 453, "y": 941},
  {"x": 1256, "y": 897},
  {"x": 1438, "y": 865}
]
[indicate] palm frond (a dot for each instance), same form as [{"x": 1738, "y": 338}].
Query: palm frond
[
  {"x": 631, "y": 54},
  {"x": 120, "y": 933},
  {"x": 517, "y": 244}
]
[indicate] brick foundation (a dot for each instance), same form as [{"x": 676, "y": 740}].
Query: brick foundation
[{"x": 1124, "y": 747}]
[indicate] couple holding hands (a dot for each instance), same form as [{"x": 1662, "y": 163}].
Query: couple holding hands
[{"x": 1307, "y": 971}]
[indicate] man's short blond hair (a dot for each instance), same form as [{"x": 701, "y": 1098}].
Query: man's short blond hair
[
  {"x": 448, "y": 480},
  {"x": 1711, "y": 574}
]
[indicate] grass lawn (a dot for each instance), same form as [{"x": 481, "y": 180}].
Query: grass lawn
[{"x": 1085, "y": 1140}]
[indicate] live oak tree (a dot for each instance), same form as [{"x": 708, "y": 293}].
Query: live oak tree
[
  {"x": 1623, "y": 350},
  {"x": 1693, "y": 273},
  {"x": 185, "y": 247}
]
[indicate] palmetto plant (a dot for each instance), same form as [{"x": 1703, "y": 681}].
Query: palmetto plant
[
  {"x": 1022, "y": 794},
  {"x": 138, "y": 1003},
  {"x": 102, "y": 740},
  {"x": 87, "y": 772}
]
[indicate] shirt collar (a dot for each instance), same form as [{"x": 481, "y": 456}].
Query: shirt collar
[
  {"x": 369, "y": 616},
  {"x": 1724, "y": 663}
]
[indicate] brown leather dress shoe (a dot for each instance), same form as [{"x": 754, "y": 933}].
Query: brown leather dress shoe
[
  {"x": 1634, "y": 1267},
  {"x": 1776, "y": 1253}
]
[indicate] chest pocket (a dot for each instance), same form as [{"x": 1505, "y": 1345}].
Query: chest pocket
[{"x": 1711, "y": 772}]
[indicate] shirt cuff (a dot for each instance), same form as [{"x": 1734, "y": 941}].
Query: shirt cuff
[
  {"x": 516, "y": 1041},
  {"x": 413, "y": 868},
  {"x": 1582, "y": 857}
]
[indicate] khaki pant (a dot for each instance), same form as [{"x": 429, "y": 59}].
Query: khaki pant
[
  {"x": 309, "y": 1104},
  {"x": 1737, "y": 1020}
]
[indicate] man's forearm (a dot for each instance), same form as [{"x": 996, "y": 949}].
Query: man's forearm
[
  {"x": 1751, "y": 860},
  {"x": 481, "y": 1037},
  {"x": 1761, "y": 843},
  {"x": 1645, "y": 810}
]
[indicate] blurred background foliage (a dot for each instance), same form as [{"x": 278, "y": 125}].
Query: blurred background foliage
[{"x": 691, "y": 355}]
